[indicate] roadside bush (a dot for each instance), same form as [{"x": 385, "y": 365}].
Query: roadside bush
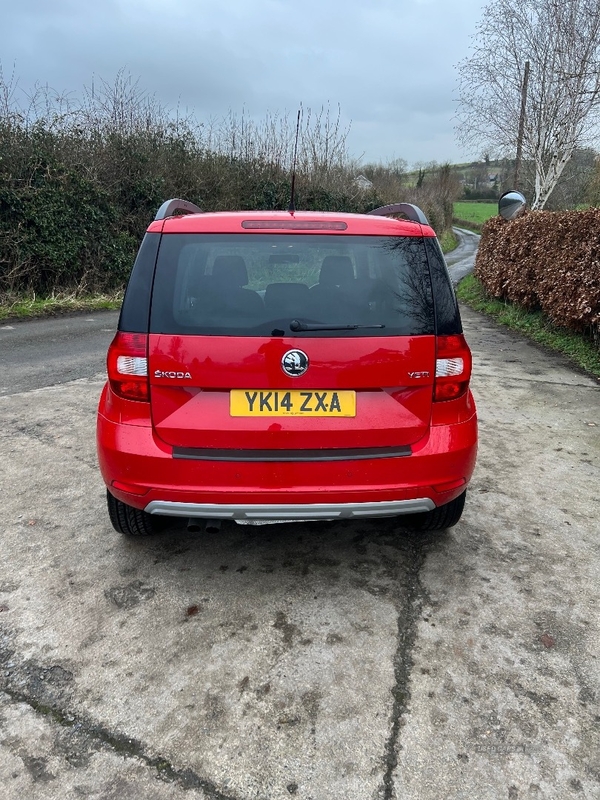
[
  {"x": 482, "y": 195},
  {"x": 546, "y": 260},
  {"x": 435, "y": 192},
  {"x": 58, "y": 228}
]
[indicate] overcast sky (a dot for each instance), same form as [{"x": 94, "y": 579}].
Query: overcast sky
[{"x": 389, "y": 64}]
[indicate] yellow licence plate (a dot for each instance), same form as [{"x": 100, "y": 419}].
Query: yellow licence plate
[{"x": 279, "y": 403}]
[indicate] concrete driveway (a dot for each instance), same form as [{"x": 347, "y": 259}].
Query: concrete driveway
[{"x": 346, "y": 660}]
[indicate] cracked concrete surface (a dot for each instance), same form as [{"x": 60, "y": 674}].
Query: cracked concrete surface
[
  {"x": 506, "y": 671},
  {"x": 338, "y": 660}
]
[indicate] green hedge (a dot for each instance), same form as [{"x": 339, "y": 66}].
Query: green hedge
[
  {"x": 548, "y": 261},
  {"x": 74, "y": 206}
]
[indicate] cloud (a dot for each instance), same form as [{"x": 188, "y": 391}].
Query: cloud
[{"x": 388, "y": 64}]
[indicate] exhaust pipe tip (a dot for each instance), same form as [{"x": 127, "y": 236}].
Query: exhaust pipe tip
[{"x": 194, "y": 525}]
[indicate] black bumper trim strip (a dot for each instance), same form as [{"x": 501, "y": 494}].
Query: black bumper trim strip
[{"x": 348, "y": 454}]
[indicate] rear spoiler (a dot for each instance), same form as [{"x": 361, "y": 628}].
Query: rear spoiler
[
  {"x": 411, "y": 212},
  {"x": 171, "y": 208}
]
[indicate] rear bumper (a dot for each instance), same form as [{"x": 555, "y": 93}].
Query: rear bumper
[
  {"x": 140, "y": 470},
  {"x": 290, "y": 511}
]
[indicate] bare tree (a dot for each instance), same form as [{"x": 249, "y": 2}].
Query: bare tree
[
  {"x": 322, "y": 147},
  {"x": 561, "y": 41}
]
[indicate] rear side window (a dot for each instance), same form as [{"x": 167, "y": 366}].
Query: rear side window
[
  {"x": 135, "y": 311},
  {"x": 256, "y": 285},
  {"x": 446, "y": 307}
]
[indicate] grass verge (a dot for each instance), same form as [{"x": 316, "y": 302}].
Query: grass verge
[
  {"x": 448, "y": 241},
  {"x": 581, "y": 350},
  {"x": 31, "y": 306}
]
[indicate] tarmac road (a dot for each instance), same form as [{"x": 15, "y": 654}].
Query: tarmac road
[
  {"x": 51, "y": 352},
  {"x": 460, "y": 260},
  {"x": 345, "y": 660}
]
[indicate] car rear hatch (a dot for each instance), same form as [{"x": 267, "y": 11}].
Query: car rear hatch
[{"x": 291, "y": 345}]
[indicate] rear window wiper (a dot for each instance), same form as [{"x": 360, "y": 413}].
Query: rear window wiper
[{"x": 297, "y": 325}]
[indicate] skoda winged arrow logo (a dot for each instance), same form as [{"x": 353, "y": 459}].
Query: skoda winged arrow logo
[{"x": 294, "y": 363}]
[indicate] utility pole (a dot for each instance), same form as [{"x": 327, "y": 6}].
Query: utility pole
[{"x": 521, "y": 125}]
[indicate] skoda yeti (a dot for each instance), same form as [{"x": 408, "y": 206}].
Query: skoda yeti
[{"x": 287, "y": 366}]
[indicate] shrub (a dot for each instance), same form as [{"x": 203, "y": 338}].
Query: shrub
[{"x": 546, "y": 260}]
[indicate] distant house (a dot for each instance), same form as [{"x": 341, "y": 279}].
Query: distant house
[{"x": 364, "y": 184}]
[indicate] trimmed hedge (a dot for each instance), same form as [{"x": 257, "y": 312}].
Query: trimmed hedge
[{"x": 548, "y": 261}]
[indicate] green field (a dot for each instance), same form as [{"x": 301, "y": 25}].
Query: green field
[{"x": 475, "y": 212}]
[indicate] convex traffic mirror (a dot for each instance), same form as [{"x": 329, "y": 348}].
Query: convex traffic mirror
[{"x": 511, "y": 204}]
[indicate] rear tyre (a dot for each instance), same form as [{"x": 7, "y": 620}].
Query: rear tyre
[
  {"x": 128, "y": 520},
  {"x": 439, "y": 518}
]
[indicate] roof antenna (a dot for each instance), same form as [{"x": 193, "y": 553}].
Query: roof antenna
[{"x": 292, "y": 206}]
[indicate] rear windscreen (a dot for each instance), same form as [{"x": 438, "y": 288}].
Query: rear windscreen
[{"x": 261, "y": 284}]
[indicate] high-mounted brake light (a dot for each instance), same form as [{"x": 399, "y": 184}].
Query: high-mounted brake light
[
  {"x": 292, "y": 224},
  {"x": 452, "y": 368},
  {"x": 127, "y": 366}
]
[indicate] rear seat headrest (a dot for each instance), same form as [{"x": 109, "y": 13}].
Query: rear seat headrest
[
  {"x": 336, "y": 270},
  {"x": 287, "y": 298},
  {"x": 231, "y": 269}
]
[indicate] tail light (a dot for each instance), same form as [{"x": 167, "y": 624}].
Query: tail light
[
  {"x": 452, "y": 368},
  {"x": 127, "y": 365}
]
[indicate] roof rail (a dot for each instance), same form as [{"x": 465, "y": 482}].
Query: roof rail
[
  {"x": 410, "y": 211},
  {"x": 171, "y": 207}
]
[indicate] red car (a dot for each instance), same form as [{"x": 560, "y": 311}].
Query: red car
[{"x": 275, "y": 365}]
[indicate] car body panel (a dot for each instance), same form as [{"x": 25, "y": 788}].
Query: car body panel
[{"x": 392, "y": 407}]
